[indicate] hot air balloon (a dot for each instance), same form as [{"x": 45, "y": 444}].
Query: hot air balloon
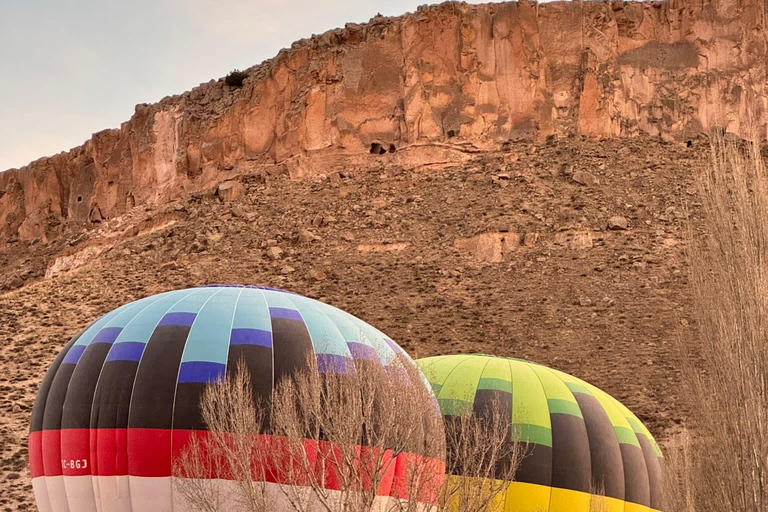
[
  {"x": 578, "y": 439},
  {"x": 121, "y": 400}
]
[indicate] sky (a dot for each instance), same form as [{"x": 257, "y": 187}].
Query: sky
[{"x": 72, "y": 68}]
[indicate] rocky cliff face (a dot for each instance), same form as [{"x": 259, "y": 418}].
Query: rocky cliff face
[{"x": 427, "y": 86}]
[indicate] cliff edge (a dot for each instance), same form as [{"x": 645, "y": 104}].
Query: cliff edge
[{"x": 440, "y": 83}]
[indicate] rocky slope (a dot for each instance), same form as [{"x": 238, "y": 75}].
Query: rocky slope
[
  {"x": 430, "y": 85},
  {"x": 568, "y": 252}
]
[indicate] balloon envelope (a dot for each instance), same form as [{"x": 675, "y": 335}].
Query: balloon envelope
[
  {"x": 579, "y": 439},
  {"x": 121, "y": 401}
]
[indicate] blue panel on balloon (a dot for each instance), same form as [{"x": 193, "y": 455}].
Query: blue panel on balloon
[
  {"x": 285, "y": 313},
  {"x": 362, "y": 351},
  {"x": 185, "y": 319},
  {"x": 201, "y": 372},
  {"x": 126, "y": 351},
  {"x": 256, "y": 337},
  {"x": 107, "y": 335},
  {"x": 332, "y": 363},
  {"x": 74, "y": 354}
]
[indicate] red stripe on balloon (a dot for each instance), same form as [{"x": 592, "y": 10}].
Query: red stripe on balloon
[
  {"x": 36, "y": 454},
  {"x": 75, "y": 452},
  {"x": 51, "y": 448},
  {"x": 110, "y": 447},
  {"x": 151, "y": 452},
  {"x": 431, "y": 475}
]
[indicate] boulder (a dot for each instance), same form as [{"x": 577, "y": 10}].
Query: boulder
[
  {"x": 489, "y": 247},
  {"x": 14, "y": 282},
  {"x": 584, "y": 178},
  {"x": 274, "y": 253},
  {"x": 230, "y": 190},
  {"x": 305, "y": 236},
  {"x": 617, "y": 223},
  {"x": 581, "y": 241}
]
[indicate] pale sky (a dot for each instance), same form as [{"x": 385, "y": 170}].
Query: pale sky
[{"x": 69, "y": 68}]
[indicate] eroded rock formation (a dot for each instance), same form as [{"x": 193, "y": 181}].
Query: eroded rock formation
[{"x": 418, "y": 88}]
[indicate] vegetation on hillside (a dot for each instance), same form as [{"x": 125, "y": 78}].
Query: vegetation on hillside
[
  {"x": 723, "y": 464},
  {"x": 235, "y": 78}
]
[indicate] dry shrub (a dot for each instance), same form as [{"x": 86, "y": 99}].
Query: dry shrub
[
  {"x": 725, "y": 466},
  {"x": 679, "y": 474},
  {"x": 334, "y": 440},
  {"x": 363, "y": 423},
  {"x": 235, "y": 78},
  {"x": 597, "y": 500},
  {"x": 232, "y": 447},
  {"x": 482, "y": 457}
]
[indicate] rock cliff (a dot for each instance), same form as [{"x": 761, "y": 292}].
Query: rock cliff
[{"x": 433, "y": 85}]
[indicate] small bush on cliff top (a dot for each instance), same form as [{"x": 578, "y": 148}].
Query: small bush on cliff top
[{"x": 235, "y": 78}]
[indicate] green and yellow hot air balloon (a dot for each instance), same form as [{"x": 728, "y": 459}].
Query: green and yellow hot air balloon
[{"x": 579, "y": 441}]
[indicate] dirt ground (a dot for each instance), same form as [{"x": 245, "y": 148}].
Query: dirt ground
[{"x": 546, "y": 281}]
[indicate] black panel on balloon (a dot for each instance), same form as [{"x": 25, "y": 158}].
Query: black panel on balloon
[
  {"x": 79, "y": 400},
  {"x": 536, "y": 466},
  {"x": 571, "y": 465},
  {"x": 38, "y": 409},
  {"x": 153, "y": 393},
  {"x": 112, "y": 400},
  {"x": 292, "y": 346},
  {"x": 54, "y": 406},
  {"x": 488, "y": 402},
  {"x": 187, "y": 413},
  {"x": 607, "y": 464},
  {"x": 655, "y": 474},
  {"x": 258, "y": 363},
  {"x": 453, "y": 427},
  {"x": 635, "y": 476}
]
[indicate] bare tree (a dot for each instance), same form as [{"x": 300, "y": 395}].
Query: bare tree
[
  {"x": 679, "y": 474},
  {"x": 231, "y": 449},
  {"x": 482, "y": 457},
  {"x": 355, "y": 439},
  {"x": 597, "y": 499},
  {"x": 726, "y": 462},
  {"x": 351, "y": 434}
]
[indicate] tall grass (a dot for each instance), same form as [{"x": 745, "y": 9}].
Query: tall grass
[{"x": 724, "y": 466}]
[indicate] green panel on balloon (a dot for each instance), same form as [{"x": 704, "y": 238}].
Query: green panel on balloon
[{"x": 547, "y": 415}]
